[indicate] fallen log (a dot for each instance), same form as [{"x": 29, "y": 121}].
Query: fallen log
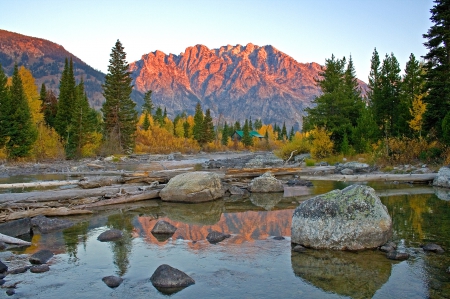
[
  {"x": 255, "y": 172},
  {"x": 150, "y": 194},
  {"x": 413, "y": 178},
  {"x": 11, "y": 240},
  {"x": 38, "y": 184},
  {"x": 97, "y": 182},
  {"x": 62, "y": 211}
]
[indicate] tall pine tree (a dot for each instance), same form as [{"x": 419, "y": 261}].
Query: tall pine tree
[
  {"x": 437, "y": 64},
  {"x": 198, "y": 129},
  {"x": 19, "y": 127},
  {"x": 208, "y": 127},
  {"x": 66, "y": 100},
  {"x": 119, "y": 113},
  {"x": 4, "y": 107}
]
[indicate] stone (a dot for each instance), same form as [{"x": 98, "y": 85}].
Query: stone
[
  {"x": 347, "y": 171},
  {"x": 278, "y": 238},
  {"x": 432, "y": 248},
  {"x": 10, "y": 292},
  {"x": 193, "y": 187},
  {"x": 350, "y": 219},
  {"x": 442, "y": 178},
  {"x": 48, "y": 225},
  {"x": 299, "y": 182},
  {"x": 302, "y": 157},
  {"x": 3, "y": 245},
  {"x": 388, "y": 247},
  {"x": 265, "y": 183},
  {"x": 398, "y": 256},
  {"x": 110, "y": 235},
  {"x": 216, "y": 237},
  {"x": 163, "y": 227},
  {"x": 112, "y": 281},
  {"x": 3, "y": 268},
  {"x": 16, "y": 228},
  {"x": 235, "y": 190},
  {"x": 41, "y": 257},
  {"x": 19, "y": 270},
  {"x": 166, "y": 276},
  {"x": 261, "y": 161},
  {"x": 40, "y": 268},
  {"x": 299, "y": 248}
]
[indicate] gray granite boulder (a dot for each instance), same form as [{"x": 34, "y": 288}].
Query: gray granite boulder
[
  {"x": 443, "y": 177},
  {"x": 350, "y": 219},
  {"x": 112, "y": 281},
  {"x": 110, "y": 235},
  {"x": 265, "y": 183},
  {"x": 40, "y": 268},
  {"x": 216, "y": 237},
  {"x": 193, "y": 187},
  {"x": 166, "y": 276},
  {"x": 163, "y": 227},
  {"x": 47, "y": 225},
  {"x": 41, "y": 257},
  {"x": 356, "y": 167}
]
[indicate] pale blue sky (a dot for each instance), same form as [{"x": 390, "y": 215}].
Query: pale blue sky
[{"x": 307, "y": 30}]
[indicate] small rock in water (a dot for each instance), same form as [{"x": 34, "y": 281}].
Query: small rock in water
[
  {"x": 278, "y": 238},
  {"x": 3, "y": 267},
  {"x": 19, "y": 270},
  {"x": 41, "y": 257},
  {"x": 10, "y": 292},
  {"x": 2, "y": 245},
  {"x": 216, "y": 237},
  {"x": 299, "y": 248},
  {"x": 433, "y": 248},
  {"x": 398, "y": 256},
  {"x": 166, "y": 276},
  {"x": 112, "y": 281},
  {"x": 388, "y": 247},
  {"x": 40, "y": 268},
  {"x": 163, "y": 227},
  {"x": 47, "y": 225},
  {"x": 110, "y": 235}
]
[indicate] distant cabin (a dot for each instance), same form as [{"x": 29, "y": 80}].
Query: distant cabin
[{"x": 239, "y": 134}]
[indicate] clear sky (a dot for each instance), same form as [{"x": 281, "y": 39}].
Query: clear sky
[{"x": 307, "y": 30}]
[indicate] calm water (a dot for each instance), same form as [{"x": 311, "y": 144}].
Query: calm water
[{"x": 250, "y": 264}]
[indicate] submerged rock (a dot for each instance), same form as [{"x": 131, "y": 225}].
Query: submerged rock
[
  {"x": 41, "y": 257},
  {"x": 16, "y": 228},
  {"x": 112, "y": 281},
  {"x": 110, "y": 235},
  {"x": 388, "y": 247},
  {"x": 350, "y": 219},
  {"x": 398, "y": 256},
  {"x": 432, "y": 248},
  {"x": 265, "y": 183},
  {"x": 192, "y": 187},
  {"x": 299, "y": 248},
  {"x": 48, "y": 225},
  {"x": 166, "y": 276},
  {"x": 40, "y": 268}
]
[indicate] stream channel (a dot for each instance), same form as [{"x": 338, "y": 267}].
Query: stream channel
[{"x": 249, "y": 264}]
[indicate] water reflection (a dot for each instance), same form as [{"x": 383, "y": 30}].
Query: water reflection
[{"x": 353, "y": 274}]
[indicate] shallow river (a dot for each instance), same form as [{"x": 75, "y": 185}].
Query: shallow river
[{"x": 250, "y": 264}]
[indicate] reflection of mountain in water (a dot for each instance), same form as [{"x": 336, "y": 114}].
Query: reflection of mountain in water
[
  {"x": 265, "y": 200},
  {"x": 354, "y": 274}
]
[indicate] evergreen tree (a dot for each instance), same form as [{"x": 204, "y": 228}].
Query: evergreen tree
[
  {"x": 284, "y": 131},
  {"x": 237, "y": 126},
  {"x": 225, "y": 134},
  {"x": 186, "y": 127},
  {"x": 20, "y": 129},
  {"x": 365, "y": 132},
  {"x": 247, "y": 139},
  {"x": 146, "y": 122},
  {"x": 158, "y": 117},
  {"x": 4, "y": 107},
  {"x": 198, "y": 129},
  {"x": 50, "y": 108},
  {"x": 258, "y": 124},
  {"x": 66, "y": 100},
  {"x": 43, "y": 93},
  {"x": 208, "y": 127},
  {"x": 250, "y": 124},
  {"x": 437, "y": 64},
  {"x": 119, "y": 114},
  {"x": 374, "y": 94},
  {"x": 165, "y": 113},
  {"x": 148, "y": 103},
  {"x": 291, "y": 134}
]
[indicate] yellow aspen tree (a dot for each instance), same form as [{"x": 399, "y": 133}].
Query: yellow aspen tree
[{"x": 417, "y": 111}]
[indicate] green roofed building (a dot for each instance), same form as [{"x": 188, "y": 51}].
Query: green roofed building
[{"x": 239, "y": 134}]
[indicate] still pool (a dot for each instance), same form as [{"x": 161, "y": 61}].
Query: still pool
[{"x": 250, "y": 264}]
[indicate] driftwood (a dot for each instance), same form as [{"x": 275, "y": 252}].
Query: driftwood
[
  {"x": 62, "y": 211},
  {"x": 255, "y": 172},
  {"x": 38, "y": 184},
  {"x": 11, "y": 240},
  {"x": 292, "y": 153},
  {"x": 97, "y": 182},
  {"x": 413, "y": 178},
  {"x": 128, "y": 198}
]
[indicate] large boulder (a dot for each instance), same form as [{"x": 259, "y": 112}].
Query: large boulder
[
  {"x": 192, "y": 187},
  {"x": 350, "y": 219},
  {"x": 443, "y": 177},
  {"x": 265, "y": 183},
  {"x": 167, "y": 277}
]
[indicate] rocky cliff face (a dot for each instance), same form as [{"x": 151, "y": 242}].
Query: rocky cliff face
[
  {"x": 236, "y": 82},
  {"x": 45, "y": 60}
]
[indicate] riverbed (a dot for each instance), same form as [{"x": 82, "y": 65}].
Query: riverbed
[{"x": 251, "y": 263}]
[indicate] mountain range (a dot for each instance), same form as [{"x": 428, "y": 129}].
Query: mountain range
[{"x": 234, "y": 82}]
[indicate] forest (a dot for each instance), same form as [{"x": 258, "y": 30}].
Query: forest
[{"x": 401, "y": 119}]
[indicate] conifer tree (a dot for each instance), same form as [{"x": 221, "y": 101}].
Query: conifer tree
[
  {"x": 148, "y": 103},
  {"x": 49, "y": 108},
  {"x": 198, "y": 129},
  {"x": 66, "y": 100},
  {"x": 186, "y": 127},
  {"x": 43, "y": 93},
  {"x": 158, "y": 117},
  {"x": 247, "y": 139},
  {"x": 208, "y": 127},
  {"x": 119, "y": 113},
  {"x": 437, "y": 64},
  {"x": 20, "y": 128},
  {"x": 284, "y": 131},
  {"x": 237, "y": 126},
  {"x": 291, "y": 134},
  {"x": 250, "y": 124},
  {"x": 225, "y": 134},
  {"x": 4, "y": 107}
]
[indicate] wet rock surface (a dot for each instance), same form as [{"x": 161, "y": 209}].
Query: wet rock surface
[
  {"x": 47, "y": 225},
  {"x": 166, "y": 276},
  {"x": 431, "y": 247},
  {"x": 110, "y": 235},
  {"x": 112, "y": 281},
  {"x": 163, "y": 227},
  {"x": 216, "y": 237},
  {"x": 350, "y": 219},
  {"x": 40, "y": 268},
  {"x": 398, "y": 256},
  {"x": 16, "y": 227},
  {"x": 41, "y": 257}
]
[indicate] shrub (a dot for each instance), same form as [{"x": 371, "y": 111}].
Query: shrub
[
  {"x": 322, "y": 146},
  {"x": 300, "y": 145},
  {"x": 310, "y": 162}
]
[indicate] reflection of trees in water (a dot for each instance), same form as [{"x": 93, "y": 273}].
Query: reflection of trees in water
[
  {"x": 121, "y": 248},
  {"x": 72, "y": 236},
  {"x": 354, "y": 274}
]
